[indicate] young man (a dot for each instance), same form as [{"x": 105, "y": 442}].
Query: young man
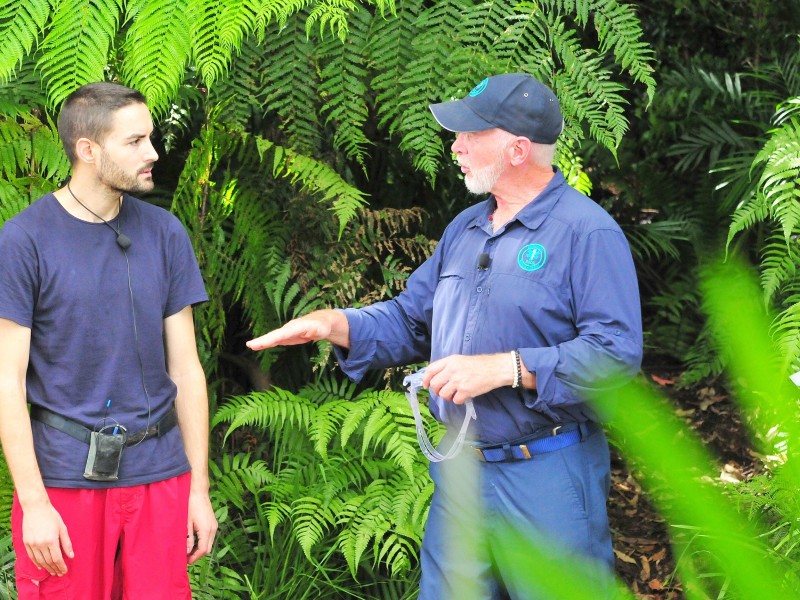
[
  {"x": 96, "y": 333},
  {"x": 529, "y": 301}
]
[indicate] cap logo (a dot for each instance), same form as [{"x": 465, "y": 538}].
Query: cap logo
[
  {"x": 532, "y": 257},
  {"x": 479, "y": 88}
]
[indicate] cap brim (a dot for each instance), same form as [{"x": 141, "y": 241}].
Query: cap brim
[{"x": 457, "y": 116}]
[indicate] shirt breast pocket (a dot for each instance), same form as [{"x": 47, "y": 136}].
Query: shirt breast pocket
[{"x": 449, "y": 282}]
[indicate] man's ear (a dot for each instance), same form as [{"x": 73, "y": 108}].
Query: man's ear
[
  {"x": 520, "y": 150},
  {"x": 85, "y": 150}
]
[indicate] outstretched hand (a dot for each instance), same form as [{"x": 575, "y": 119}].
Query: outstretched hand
[
  {"x": 319, "y": 325},
  {"x": 294, "y": 332}
]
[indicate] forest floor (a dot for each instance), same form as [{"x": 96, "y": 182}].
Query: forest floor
[{"x": 644, "y": 558}]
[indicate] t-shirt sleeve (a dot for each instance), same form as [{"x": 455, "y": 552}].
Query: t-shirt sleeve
[
  {"x": 18, "y": 275},
  {"x": 186, "y": 287}
]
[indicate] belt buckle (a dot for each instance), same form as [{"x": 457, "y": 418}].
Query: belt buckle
[
  {"x": 555, "y": 430},
  {"x": 480, "y": 454}
]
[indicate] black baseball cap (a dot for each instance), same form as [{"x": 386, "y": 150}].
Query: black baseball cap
[{"x": 515, "y": 102}]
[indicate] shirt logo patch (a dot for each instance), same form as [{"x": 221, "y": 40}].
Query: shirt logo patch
[
  {"x": 479, "y": 88},
  {"x": 532, "y": 257}
]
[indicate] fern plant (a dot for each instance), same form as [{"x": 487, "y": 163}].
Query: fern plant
[
  {"x": 344, "y": 472},
  {"x": 280, "y": 120},
  {"x": 32, "y": 162},
  {"x": 769, "y": 208}
]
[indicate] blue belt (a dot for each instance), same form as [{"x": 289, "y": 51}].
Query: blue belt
[{"x": 557, "y": 438}]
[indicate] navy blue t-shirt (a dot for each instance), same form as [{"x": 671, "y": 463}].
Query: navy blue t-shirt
[{"x": 96, "y": 316}]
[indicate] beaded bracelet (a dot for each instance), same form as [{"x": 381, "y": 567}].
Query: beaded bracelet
[{"x": 517, "y": 369}]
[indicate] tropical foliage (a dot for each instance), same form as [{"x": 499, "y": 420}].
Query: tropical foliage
[
  {"x": 298, "y": 150},
  {"x": 341, "y": 474}
]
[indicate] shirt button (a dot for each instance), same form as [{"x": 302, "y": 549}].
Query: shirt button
[
  {"x": 480, "y": 289},
  {"x": 617, "y": 332},
  {"x": 467, "y": 337}
]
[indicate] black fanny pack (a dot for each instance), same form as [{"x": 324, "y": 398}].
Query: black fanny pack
[
  {"x": 104, "y": 449},
  {"x": 84, "y": 434}
]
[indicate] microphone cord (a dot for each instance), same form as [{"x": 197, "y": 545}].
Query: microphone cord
[{"x": 123, "y": 240}]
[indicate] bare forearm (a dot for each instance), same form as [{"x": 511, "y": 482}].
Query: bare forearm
[
  {"x": 192, "y": 406},
  {"x": 17, "y": 440}
]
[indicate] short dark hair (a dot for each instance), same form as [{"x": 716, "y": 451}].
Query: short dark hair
[{"x": 87, "y": 112}]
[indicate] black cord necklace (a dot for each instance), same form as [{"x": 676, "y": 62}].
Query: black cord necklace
[{"x": 123, "y": 241}]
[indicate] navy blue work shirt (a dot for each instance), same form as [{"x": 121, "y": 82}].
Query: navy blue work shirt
[{"x": 560, "y": 287}]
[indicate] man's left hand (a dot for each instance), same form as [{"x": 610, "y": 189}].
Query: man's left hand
[{"x": 459, "y": 378}]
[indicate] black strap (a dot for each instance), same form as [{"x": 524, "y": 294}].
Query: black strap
[{"x": 81, "y": 433}]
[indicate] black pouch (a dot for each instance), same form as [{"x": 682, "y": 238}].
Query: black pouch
[{"x": 105, "y": 454}]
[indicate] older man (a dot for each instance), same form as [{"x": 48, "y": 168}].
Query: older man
[{"x": 529, "y": 301}]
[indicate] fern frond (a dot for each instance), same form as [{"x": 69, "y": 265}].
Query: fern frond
[
  {"x": 708, "y": 140},
  {"x": 156, "y": 50},
  {"x": 778, "y": 191},
  {"x": 311, "y": 519},
  {"x": 409, "y": 489},
  {"x": 76, "y": 48},
  {"x": 290, "y": 84},
  {"x": 779, "y": 264},
  {"x": 746, "y": 216},
  {"x": 656, "y": 240},
  {"x": 618, "y": 29},
  {"x": 328, "y": 389},
  {"x": 13, "y": 199},
  {"x": 343, "y": 88},
  {"x": 485, "y": 23},
  {"x": 786, "y": 331},
  {"x": 237, "y": 476},
  {"x": 316, "y": 176},
  {"x": 779, "y": 180},
  {"x": 526, "y": 42},
  {"x": 385, "y": 421},
  {"x": 266, "y": 410},
  {"x": 21, "y": 24},
  {"x": 47, "y": 158},
  {"x": 423, "y": 82},
  {"x": 366, "y": 502},
  {"x": 23, "y": 94},
  {"x": 331, "y": 14},
  {"x": 218, "y": 30},
  {"x": 287, "y": 298},
  {"x": 364, "y": 518},
  {"x": 398, "y": 551},
  {"x": 329, "y": 418},
  {"x": 342, "y": 475},
  {"x": 32, "y": 162},
  {"x": 586, "y": 90},
  {"x": 238, "y": 93},
  {"x": 391, "y": 45}
]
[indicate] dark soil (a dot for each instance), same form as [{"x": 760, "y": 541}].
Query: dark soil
[{"x": 644, "y": 557}]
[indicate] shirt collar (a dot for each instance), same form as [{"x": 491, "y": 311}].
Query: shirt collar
[{"x": 534, "y": 213}]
